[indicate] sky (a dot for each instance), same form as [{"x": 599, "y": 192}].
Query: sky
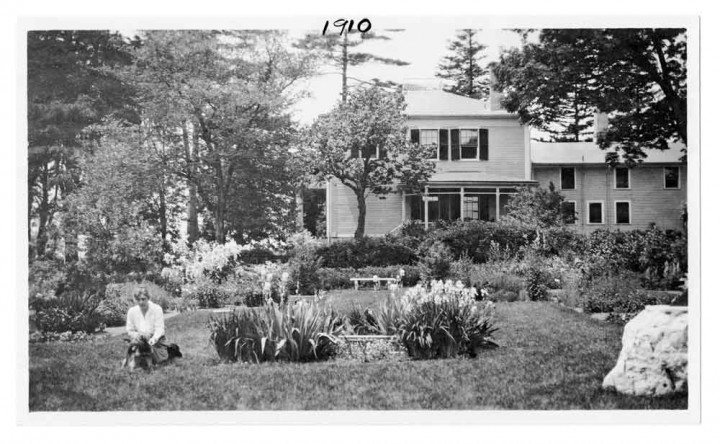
[{"x": 422, "y": 46}]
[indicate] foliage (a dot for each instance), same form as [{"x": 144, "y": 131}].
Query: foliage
[
  {"x": 46, "y": 278},
  {"x": 539, "y": 208},
  {"x": 216, "y": 105},
  {"x": 295, "y": 332},
  {"x": 363, "y": 144},
  {"x": 366, "y": 252},
  {"x": 462, "y": 66},
  {"x": 474, "y": 239},
  {"x": 536, "y": 287},
  {"x": 638, "y": 76},
  {"x": 445, "y": 322},
  {"x": 337, "y": 49},
  {"x": 339, "y": 278},
  {"x": 303, "y": 267},
  {"x": 435, "y": 264},
  {"x": 660, "y": 255},
  {"x": 71, "y": 84},
  {"x": 73, "y": 311}
]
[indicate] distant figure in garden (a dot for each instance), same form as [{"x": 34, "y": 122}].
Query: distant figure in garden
[{"x": 145, "y": 321}]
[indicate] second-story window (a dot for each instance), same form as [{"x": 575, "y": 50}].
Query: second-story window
[
  {"x": 468, "y": 144},
  {"x": 567, "y": 178},
  {"x": 429, "y": 138},
  {"x": 622, "y": 178},
  {"x": 672, "y": 177}
]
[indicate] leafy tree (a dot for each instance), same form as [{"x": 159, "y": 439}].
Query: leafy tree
[
  {"x": 539, "y": 207},
  {"x": 215, "y": 110},
  {"x": 363, "y": 144},
  {"x": 549, "y": 89},
  {"x": 115, "y": 207},
  {"x": 338, "y": 50},
  {"x": 638, "y": 76},
  {"x": 462, "y": 66},
  {"x": 70, "y": 86}
]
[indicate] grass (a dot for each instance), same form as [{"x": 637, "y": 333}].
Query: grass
[{"x": 550, "y": 358}]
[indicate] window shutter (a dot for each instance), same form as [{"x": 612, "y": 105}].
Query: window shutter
[
  {"x": 455, "y": 144},
  {"x": 484, "y": 144},
  {"x": 353, "y": 153},
  {"x": 444, "y": 145}
]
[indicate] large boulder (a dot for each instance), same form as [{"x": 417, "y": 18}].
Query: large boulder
[{"x": 653, "y": 359}]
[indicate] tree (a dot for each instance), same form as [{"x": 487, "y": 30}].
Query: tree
[
  {"x": 539, "y": 207},
  {"x": 337, "y": 49},
  {"x": 215, "y": 110},
  {"x": 462, "y": 67},
  {"x": 70, "y": 86},
  {"x": 116, "y": 207},
  {"x": 637, "y": 76},
  {"x": 363, "y": 144},
  {"x": 549, "y": 89}
]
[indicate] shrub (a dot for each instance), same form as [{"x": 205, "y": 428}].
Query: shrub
[
  {"x": 435, "y": 264},
  {"x": 296, "y": 332},
  {"x": 304, "y": 265},
  {"x": 537, "y": 284},
  {"x": 366, "y": 252},
  {"x": 45, "y": 279},
  {"x": 619, "y": 292},
  {"x": 475, "y": 239},
  {"x": 73, "y": 311},
  {"x": 445, "y": 321}
]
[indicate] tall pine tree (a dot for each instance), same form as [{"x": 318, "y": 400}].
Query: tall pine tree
[
  {"x": 339, "y": 51},
  {"x": 462, "y": 67}
]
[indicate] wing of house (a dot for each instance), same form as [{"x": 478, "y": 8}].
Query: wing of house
[
  {"x": 484, "y": 154},
  {"x": 614, "y": 198}
]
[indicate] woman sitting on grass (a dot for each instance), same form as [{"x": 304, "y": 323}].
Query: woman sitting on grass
[{"x": 146, "y": 321}]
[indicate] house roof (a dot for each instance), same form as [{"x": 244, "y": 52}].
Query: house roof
[
  {"x": 440, "y": 103},
  {"x": 553, "y": 153}
]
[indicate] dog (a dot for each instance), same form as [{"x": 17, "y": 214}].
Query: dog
[{"x": 139, "y": 354}]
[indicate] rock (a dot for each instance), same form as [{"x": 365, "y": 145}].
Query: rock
[{"x": 653, "y": 359}]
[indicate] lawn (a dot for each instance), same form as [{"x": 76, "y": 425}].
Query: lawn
[{"x": 550, "y": 358}]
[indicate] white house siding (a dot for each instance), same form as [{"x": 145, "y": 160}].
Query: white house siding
[
  {"x": 649, "y": 201},
  {"x": 506, "y": 147},
  {"x": 382, "y": 215}
]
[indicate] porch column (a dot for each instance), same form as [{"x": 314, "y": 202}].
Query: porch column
[
  {"x": 427, "y": 223},
  {"x": 403, "y": 208},
  {"x": 497, "y": 204},
  {"x": 462, "y": 203}
]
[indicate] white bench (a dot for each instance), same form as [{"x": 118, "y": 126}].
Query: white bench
[{"x": 377, "y": 282}]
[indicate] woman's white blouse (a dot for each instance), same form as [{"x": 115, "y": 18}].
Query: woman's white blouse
[{"x": 152, "y": 325}]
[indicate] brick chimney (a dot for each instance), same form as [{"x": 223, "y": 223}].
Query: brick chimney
[{"x": 495, "y": 95}]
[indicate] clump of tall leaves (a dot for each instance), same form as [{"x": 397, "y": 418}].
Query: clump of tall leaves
[
  {"x": 298, "y": 332},
  {"x": 445, "y": 321}
]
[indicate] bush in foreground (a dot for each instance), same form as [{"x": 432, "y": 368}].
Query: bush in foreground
[
  {"x": 294, "y": 332},
  {"x": 445, "y": 321}
]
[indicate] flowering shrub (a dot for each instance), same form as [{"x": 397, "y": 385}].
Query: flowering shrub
[{"x": 445, "y": 321}]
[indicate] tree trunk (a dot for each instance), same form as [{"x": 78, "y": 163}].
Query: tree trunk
[
  {"x": 193, "y": 230},
  {"x": 219, "y": 224},
  {"x": 43, "y": 213},
  {"x": 163, "y": 215},
  {"x": 344, "y": 68},
  {"x": 362, "y": 211}
]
